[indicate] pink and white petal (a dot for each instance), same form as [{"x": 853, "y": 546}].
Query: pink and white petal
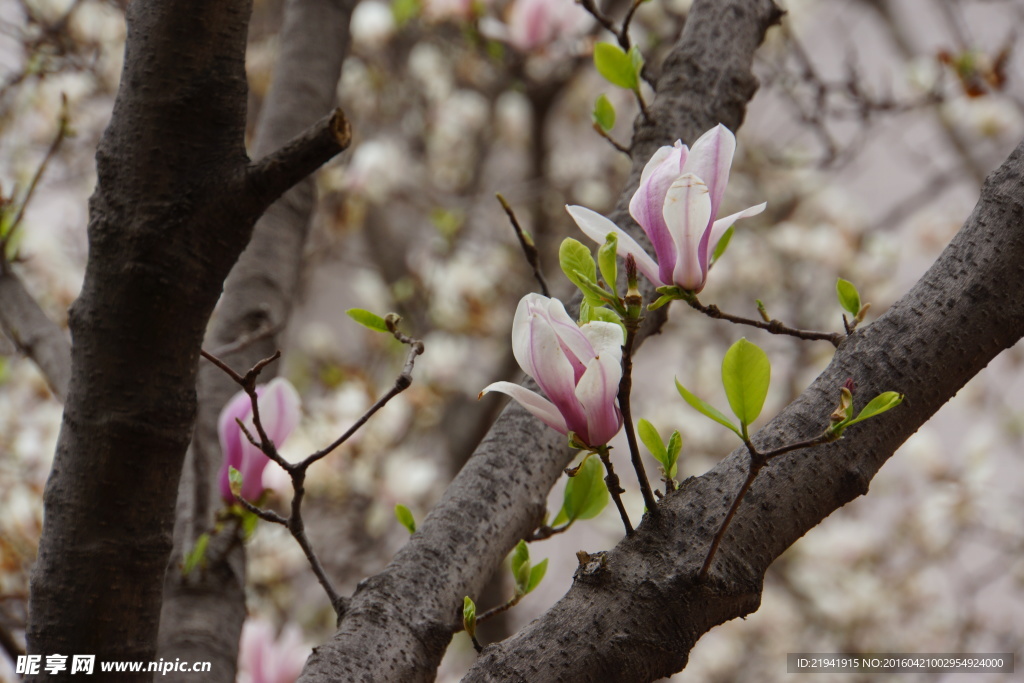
[
  {"x": 574, "y": 343},
  {"x": 605, "y": 338},
  {"x": 660, "y": 156},
  {"x": 688, "y": 213},
  {"x": 711, "y": 159},
  {"x": 597, "y": 227},
  {"x": 646, "y": 207},
  {"x": 552, "y": 370},
  {"x": 597, "y": 393},
  {"x": 538, "y": 406},
  {"x": 279, "y": 410},
  {"x": 526, "y": 309}
]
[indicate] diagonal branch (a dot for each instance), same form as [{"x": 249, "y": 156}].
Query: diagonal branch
[
  {"x": 33, "y": 333},
  {"x": 954, "y": 321},
  {"x": 279, "y": 171}
]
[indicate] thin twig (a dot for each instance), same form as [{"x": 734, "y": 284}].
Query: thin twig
[
  {"x": 626, "y": 21},
  {"x": 401, "y": 384},
  {"x": 260, "y": 333},
  {"x": 757, "y": 461},
  {"x": 614, "y": 143},
  {"x": 62, "y": 133},
  {"x": 529, "y": 248},
  {"x": 503, "y": 607},
  {"x": 294, "y": 522},
  {"x": 616, "y": 491},
  {"x": 601, "y": 18},
  {"x": 772, "y": 326},
  {"x": 544, "y": 531},
  {"x": 625, "y": 387}
]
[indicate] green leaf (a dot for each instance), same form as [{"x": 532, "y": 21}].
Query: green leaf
[
  {"x": 594, "y": 293},
  {"x": 606, "y": 260},
  {"x": 235, "y": 481},
  {"x": 585, "y": 494},
  {"x": 197, "y": 555},
  {"x": 878, "y": 405},
  {"x": 636, "y": 60},
  {"x": 469, "y": 616},
  {"x": 849, "y": 297},
  {"x": 675, "y": 445},
  {"x": 604, "y": 113},
  {"x": 577, "y": 262},
  {"x": 649, "y": 435},
  {"x": 707, "y": 409},
  {"x": 615, "y": 65},
  {"x": 367, "y": 319},
  {"x": 536, "y": 576},
  {"x": 722, "y": 245},
  {"x": 661, "y": 301},
  {"x": 746, "y": 373},
  {"x": 249, "y": 522},
  {"x": 520, "y": 560},
  {"x": 405, "y": 517}
]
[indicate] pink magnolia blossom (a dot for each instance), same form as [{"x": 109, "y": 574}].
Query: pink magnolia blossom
[
  {"x": 262, "y": 658},
  {"x": 679, "y": 196},
  {"x": 279, "y": 415},
  {"x": 534, "y": 24},
  {"x": 577, "y": 367}
]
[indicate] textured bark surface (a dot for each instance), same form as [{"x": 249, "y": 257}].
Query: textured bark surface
[
  {"x": 175, "y": 203},
  {"x": 203, "y": 612},
  {"x": 400, "y": 621}
]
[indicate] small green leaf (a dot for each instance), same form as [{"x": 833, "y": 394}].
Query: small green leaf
[
  {"x": 574, "y": 257},
  {"x": 615, "y": 65},
  {"x": 722, "y": 245},
  {"x": 536, "y": 576},
  {"x": 594, "y": 293},
  {"x": 249, "y": 523},
  {"x": 746, "y": 373},
  {"x": 367, "y": 319},
  {"x": 636, "y": 60},
  {"x": 849, "y": 297},
  {"x": 585, "y": 494},
  {"x": 405, "y": 517},
  {"x": 878, "y": 405},
  {"x": 235, "y": 481},
  {"x": 197, "y": 555},
  {"x": 649, "y": 435},
  {"x": 661, "y": 301},
  {"x": 604, "y": 113},
  {"x": 606, "y": 260},
  {"x": 675, "y": 445},
  {"x": 520, "y": 563},
  {"x": 469, "y": 616},
  {"x": 707, "y": 409}
]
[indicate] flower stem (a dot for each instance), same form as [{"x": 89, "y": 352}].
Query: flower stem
[
  {"x": 612, "y": 482},
  {"x": 625, "y": 388}
]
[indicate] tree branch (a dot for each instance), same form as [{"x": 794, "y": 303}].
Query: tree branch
[
  {"x": 33, "y": 333},
  {"x": 954, "y": 321},
  {"x": 279, "y": 171}
]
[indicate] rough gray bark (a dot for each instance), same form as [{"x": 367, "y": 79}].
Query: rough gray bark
[
  {"x": 33, "y": 333},
  {"x": 174, "y": 206},
  {"x": 203, "y": 612},
  {"x": 400, "y": 621}
]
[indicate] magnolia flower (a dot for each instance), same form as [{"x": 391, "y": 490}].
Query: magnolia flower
[
  {"x": 679, "y": 196},
  {"x": 262, "y": 658},
  {"x": 533, "y": 24},
  {"x": 577, "y": 367},
  {"x": 279, "y": 415}
]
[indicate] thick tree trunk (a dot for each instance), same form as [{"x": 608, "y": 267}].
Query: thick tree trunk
[
  {"x": 175, "y": 203},
  {"x": 203, "y": 612}
]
